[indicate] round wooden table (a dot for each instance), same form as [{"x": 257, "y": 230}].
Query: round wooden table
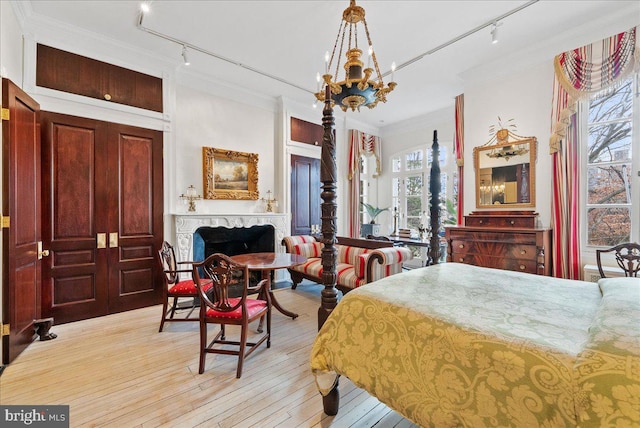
[{"x": 268, "y": 262}]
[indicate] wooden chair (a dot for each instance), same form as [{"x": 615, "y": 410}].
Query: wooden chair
[
  {"x": 627, "y": 256},
  {"x": 224, "y": 310},
  {"x": 177, "y": 288}
]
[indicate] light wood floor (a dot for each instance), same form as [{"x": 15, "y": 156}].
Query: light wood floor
[{"x": 118, "y": 371}]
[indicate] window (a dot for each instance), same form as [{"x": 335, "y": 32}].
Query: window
[
  {"x": 611, "y": 201},
  {"x": 410, "y": 185}
]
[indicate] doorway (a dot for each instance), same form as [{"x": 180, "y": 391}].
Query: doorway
[
  {"x": 102, "y": 217},
  {"x": 305, "y": 194}
]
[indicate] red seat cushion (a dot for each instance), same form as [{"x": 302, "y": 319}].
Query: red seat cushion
[
  {"x": 188, "y": 287},
  {"x": 253, "y": 307}
]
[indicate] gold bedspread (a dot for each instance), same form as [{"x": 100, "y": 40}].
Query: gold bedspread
[{"x": 457, "y": 345}]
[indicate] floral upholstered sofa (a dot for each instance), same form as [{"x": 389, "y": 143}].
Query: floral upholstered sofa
[{"x": 360, "y": 261}]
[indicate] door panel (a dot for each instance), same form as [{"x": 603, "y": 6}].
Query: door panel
[
  {"x": 21, "y": 203},
  {"x": 74, "y": 163},
  {"x": 305, "y": 194},
  {"x": 135, "y": 280}
]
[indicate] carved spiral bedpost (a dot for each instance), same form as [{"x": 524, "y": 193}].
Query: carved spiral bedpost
[
  {"x": 434, "y": 189},
  {"x": 329, "y": 296}
]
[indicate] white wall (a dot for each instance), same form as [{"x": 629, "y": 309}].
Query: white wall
[
  {"x": 206, "y": 120},
  {"x": 525, "y": 97}
]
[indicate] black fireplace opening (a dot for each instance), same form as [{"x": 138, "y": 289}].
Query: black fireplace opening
[{"x": 232, "y": 241}]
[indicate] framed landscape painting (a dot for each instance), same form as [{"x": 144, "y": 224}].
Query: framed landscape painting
[{"x": 229, "y": 174}]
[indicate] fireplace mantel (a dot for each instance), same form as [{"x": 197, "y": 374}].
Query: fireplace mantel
[{"x": 186, "y": 224}]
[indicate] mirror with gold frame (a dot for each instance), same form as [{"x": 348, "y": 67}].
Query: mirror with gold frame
[{"x": 505, "y": 174}]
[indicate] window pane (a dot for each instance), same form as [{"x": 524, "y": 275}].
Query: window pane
[
  {"x": 612, "y": 106},
  {"x": 395, "y": 192},
  {"x": 442, "y": 156},
  {"x": 608, "y": 226},
  {"x": 413, "y": 193},
  {"x": 414, "y": 160},
  {"x": 364, "y": 165},
  {"x": 610, "y": 142},
  {"x": 609, "y": 184},
  {"x": 395, "y": 187},
  {"x": 395, "y": 164},
  {"x": 443, "y": 184}
]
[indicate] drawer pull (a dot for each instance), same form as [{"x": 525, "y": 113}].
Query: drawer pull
[
  {"x": 107, "y": 97},
  {"x": 461, "y": 246},
  {"x": 481, "y": 221},
  {"x": 461, "y": 259},
  {"x": 512, "y": 222},
  {"x": 523, "y": 252},
  {"x": 522, "y": 267}
]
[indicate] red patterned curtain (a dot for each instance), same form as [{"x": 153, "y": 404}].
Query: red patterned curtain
[
  {"x": 459, "y": 149},
  {"x": 579, "y": 74},
  {"x": 360, "y": 144}
]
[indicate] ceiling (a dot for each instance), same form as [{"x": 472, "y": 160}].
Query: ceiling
[{"x": 287, "y": 40}]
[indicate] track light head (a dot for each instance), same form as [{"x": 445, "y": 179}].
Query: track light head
[
  {"x": 494, "y": 32},
  {"x": 145, "y": 7},
  {"x": 184, "y": 55}
]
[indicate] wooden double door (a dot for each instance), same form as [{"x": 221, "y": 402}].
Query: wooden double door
[{"x": 102, "y": 204}]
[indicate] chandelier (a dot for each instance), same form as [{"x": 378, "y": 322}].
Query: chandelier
[{"x": 356, "y": 89}]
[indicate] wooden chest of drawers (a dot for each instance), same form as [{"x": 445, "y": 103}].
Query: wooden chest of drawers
[{"x": 501, "y": 241}]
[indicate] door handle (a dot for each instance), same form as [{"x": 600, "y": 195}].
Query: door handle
[
  {"x": 113, "y": 240},
  {"x": 101, "y": 240},
  {"x": 42, "y": 253}
]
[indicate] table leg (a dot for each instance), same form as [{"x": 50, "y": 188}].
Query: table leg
[{"x": 274, "y": 302}]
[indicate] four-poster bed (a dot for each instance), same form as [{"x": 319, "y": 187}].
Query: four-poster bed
[{"x": 460, "y": 345}]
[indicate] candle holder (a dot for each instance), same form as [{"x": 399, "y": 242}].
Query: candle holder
[
  {"x": 271, "y": 203},
  {"x": 191, "y": 196},
  {"x": 395, "y": 222}
]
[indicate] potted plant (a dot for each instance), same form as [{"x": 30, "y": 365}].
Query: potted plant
[{"x": 372, "y": 228}]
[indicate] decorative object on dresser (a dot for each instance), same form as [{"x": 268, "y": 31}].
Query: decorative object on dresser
[
  {"x": 507, "y": 240},
  {"x": 229, "y": 174}
]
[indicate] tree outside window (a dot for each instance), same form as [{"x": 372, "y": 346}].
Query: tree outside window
[{"x": 610, "y": 215}]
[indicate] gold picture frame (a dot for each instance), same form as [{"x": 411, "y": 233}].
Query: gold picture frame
[{"x": 229, "y": 174}]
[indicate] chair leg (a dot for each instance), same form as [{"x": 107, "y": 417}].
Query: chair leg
[
  {"x": 243, "y": 344},
  {"x": 173, "y": 307},
  {"x": 269, "y": 328},
  {"x": 164, "y": 314},
  {"x": 203, "y": 345}
]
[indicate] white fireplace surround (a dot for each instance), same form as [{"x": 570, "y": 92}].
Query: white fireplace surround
[{"x": 186, "y": 224}]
